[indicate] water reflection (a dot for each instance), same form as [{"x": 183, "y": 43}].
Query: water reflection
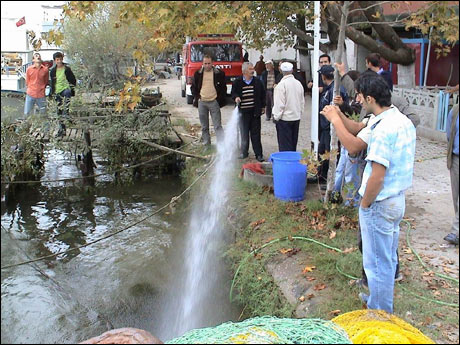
[{"x": 117, "y": 282}]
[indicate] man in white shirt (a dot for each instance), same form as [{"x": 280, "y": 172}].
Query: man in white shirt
[
  {"x": 388, "y": 173},
  {"x": 288, "y": 106}
]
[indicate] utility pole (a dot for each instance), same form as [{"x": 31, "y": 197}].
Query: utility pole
[{"x": 315, "y": 90}]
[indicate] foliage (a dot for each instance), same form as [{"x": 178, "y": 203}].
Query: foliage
[
  {"x": 129, "y": 31},
  {"x": 267, "y": 21},
  {"x": 119, "y": 144},
  {"x": 442, "y": 18},
  {"x": 259, "y": 23},
  {"x": 102, "y": 54},
  {"x": 22, "y": 153},
  {"x": 312, "y": 162}
]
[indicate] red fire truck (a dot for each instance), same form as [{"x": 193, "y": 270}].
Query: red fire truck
[{"x": 227, "y": 54}]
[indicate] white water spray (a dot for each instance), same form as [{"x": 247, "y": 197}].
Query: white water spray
[{"x": 205, "y": 238}]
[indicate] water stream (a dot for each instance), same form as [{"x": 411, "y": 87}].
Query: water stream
[
  {"x": 196, "y": 300},
  {"x": 164, "y": 275}
]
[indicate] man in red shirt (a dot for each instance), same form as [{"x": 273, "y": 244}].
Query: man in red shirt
[{"x": 37, "y": 77}]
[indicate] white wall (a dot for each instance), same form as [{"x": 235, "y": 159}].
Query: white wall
[{"x": 275, "y": 52}]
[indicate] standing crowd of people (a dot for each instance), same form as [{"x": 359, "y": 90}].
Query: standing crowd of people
[
  {"x": 377, "y": 135},
  {"x": 62, "y": 83}
]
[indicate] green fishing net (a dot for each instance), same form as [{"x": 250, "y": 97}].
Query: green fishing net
[{"x": 268, "y": 330}]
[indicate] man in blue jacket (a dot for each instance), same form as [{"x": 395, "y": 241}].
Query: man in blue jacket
[{"x": 327, "y": 75}]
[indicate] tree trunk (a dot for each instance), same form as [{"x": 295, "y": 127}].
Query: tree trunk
[
  {"x": 303, "y": 36},
  {"x": 406, "y": 76},
  {"x": 334, "y": 140},
  {"x": 395, "y": 52}
]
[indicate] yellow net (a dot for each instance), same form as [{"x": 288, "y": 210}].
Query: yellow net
[{"x": 379, "y": 327}]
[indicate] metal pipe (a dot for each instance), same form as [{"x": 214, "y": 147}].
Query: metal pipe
[{"x": 427, "y": 64}]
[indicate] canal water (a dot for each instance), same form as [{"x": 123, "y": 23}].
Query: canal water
[{"x": 124, "y": 281}]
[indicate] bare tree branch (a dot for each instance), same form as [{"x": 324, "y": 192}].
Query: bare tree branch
[
  {"x": 375, "y": 4},
  {"x": 395, "y": 52},
  {"x": 303, "y": 36},
  {"x": 385, "y": 31}
]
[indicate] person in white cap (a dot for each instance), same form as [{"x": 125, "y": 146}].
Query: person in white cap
[{"x": 288, "y": 107}]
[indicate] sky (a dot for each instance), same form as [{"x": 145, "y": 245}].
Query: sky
[
  {"x": 14, "y": 38},
  {"x": 30, "y": 9}
]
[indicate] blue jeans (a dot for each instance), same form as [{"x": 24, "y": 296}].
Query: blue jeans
[
  {"x": 31, "y": 101},
  {"x": 347, "y": 174},
  {"x": 380, "y": 234}
]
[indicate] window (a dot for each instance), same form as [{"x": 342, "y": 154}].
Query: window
[{"x": 218, "y": 52}]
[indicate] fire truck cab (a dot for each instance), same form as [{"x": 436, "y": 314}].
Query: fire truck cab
[{"x": 227, "y": 54}]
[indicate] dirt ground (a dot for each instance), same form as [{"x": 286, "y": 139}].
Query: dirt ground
[{"x": 428, "y": 202}]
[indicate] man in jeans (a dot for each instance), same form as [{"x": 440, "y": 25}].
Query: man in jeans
[
  {"x": 36, "y": 80},
  {"x": 388, "y": 173},
  {"x": 452, "y": 165},
  {"x": 63, "y": 86},
  {"x": 209, "y": 91}
]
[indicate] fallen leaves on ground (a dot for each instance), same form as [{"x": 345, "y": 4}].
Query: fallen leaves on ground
[
  {"x": 258, "y": 256},
  {"x": 290, "y": 251},
  {"x": 332, "y": 235},
  {"x": 349, "y": 250},
  {"x": 407, "y": 250},
  {"x": 257, "y": 223},
  {"x": 308, "y": 269},
  {"x": 319, "y": 287}
]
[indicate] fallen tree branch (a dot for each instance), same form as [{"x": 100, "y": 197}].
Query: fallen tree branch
[{"x": 167, "y": 149}]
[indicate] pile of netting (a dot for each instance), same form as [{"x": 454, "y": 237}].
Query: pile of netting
[
  {"x": 378, "y": 327},
  {"x": 268, "y": 330}
]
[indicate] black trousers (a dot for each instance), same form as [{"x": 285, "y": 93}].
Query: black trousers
[
  {"x": 288, "y": 135},
  {"x": 250, "y": 125},
  {"x": 323, "y": 147}
]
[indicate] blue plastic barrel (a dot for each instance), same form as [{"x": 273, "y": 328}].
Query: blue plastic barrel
[{"x": 289, "y": 175}]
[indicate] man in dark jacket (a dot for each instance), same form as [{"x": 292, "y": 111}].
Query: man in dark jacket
[
  {"x": 269, "y": 77},
  {"x": 327, "y": 74},
  {"x": 373, "y": 64},
  {"x": 249, "y": 93},
  {"x": 63, "y": 83},
  {"x": 209, "y": 91}
]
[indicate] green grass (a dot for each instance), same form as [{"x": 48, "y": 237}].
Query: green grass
[{"x": 263, "y": 218}]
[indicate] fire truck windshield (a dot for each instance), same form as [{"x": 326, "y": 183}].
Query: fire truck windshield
[{"x": 218, "y": 52}]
